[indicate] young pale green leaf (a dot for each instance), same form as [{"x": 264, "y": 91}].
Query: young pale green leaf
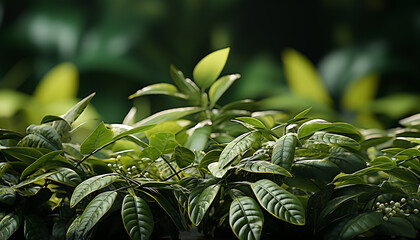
[
  {"x": 135, "y": 130},
  {"x": 48, "y": 161},
  {"x": 199, "y": 138},
  {"x": 41, "y": 136},
  {"x": 210, "y": 157},
  {"x": 137, "y": 217},
  {"x": 303, "y": 78},
  {"x": 264, "y": 167},
  {"x": 34, "y": 228},
  {"x": 335, "y": 139},
  {"x": 7, "y": 195},
  {"x": 383, "y": 162},
  {"x": 164, "y": 142},
  {"x": 209, "y": 68},
  {"x": 246, "y": 218},
  {"x": 411, "y": 121},
  {"x": 279, "y": 202},
  {"x": 24, "y": 154},
  {"x": 62, "y": 127},
  {"x": 216, "y": 171},
  {"x": 183, "y": 156},
  {"x": 94, "y": 211},
  {"x": 219, "y": 87},
  {"x": 284, "y": 151},
  {"x": 90, "y": 185},
  {"x": 200, "y": 201},
  {"x": 316, "y": 169},
  {"x": 299, "y": 116},
  {"x": 66, "y": 176},
  {"x": 236, "y": 147},
  {"x": 159, "y": 88},
  {"x": 397, "y": 226},
  {"x": 9, "y": 224},
  {"x": 170, "y": 114},
  {"x": 251, "y": 122},
  {"x": 99, "y": 137},
  {"x": 360, "y": 224},
  {"x": 188, "y": 87}
]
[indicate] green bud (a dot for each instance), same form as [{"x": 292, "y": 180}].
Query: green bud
[{"x": 403, "y": 200}]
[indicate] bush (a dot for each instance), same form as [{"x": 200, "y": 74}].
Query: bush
[{"x": 211, "y": 168}]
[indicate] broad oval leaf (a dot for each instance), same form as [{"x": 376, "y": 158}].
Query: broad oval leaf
[
  {"x": 360, "y": 224},
  {"x": 209, "y": 68},
  {"x": 9, "y": 224},
  {"x": 48, "y": 161},
  {"x": 219, "y": 87},
  {"x": 333, "y": 204},
  {"x": 251, "y": 122},
  {"x": 99, "y": 137},
  {"x": 236, "y": 147},
  {"x": 134, "y": 131},
  {"x": 279, "y": 202},
  {"x": 335, "y": 139},
  {"x": 199, "y": 202},
  {"x": 164, "y": 142},
  {"x": 66, "y": 176},
  {"x": 210, "y": 157},
  {"x": 347, "y": 162},
  {"x": 310, "y": 127},
  {"x": 94, "y": 211},
  {"x": 7, "y": 195},
  {"x": 159, "y": 88},
  {"x": 199, "y": 138},
  {"x": 137, "y": 217},
  {"x": 185, "y": 85},
  {"x": 90, "y": 185},
  {"x": 183, "y": 156},
  {"x": 317, "y": 169},
  {"x": 41, "y": 136},
  {"x": 264, "y": 167},
  {"x": 170, "y": 114},
  {"x": 34, "y": 228},
  {"x": 284, "y": 151},
  {"x": 216, "y": 171},
  {"x": 246, "y": 218}
]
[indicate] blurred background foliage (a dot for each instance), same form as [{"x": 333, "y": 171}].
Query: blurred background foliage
[{"x": 355, "y": 61}]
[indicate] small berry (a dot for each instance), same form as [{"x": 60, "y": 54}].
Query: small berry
[
  {"x": 391, "y": 202},
  {"x": 415, "y": 210},
  {"x": 382, "y": 206},
  {"x": 397, "y": 205},
  {"x": 378, "y": 203},
  {"x": 385, "y": 218},
  {"x": 403, "y": 200},
  {"x": 387, "y": 210}
]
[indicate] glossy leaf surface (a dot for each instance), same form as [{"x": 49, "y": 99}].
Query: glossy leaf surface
[
  {"x": 90, "y": 185},
  {"x": 284, "y": 151},
  {"x": 246, "y": 218},
  {"x": 99, "y": 137},
  {"x": 236, "y": 147},
  {"x": 209, "y": 68},
  {"x": 137, "y": 217},
  {"x": 199, "y": 201}
]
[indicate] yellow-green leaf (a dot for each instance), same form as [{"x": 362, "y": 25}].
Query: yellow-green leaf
[
  {"x": 360, "y": 92},
  {"x": 210, "y": 67}
]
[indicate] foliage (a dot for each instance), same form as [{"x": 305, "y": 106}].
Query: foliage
[{"x": 212, "y": 168}]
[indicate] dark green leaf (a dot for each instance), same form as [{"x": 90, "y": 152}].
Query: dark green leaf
[
  {"x": 264, "y": 167},
  {"x": 246, "y": 218},
  {"x": 210, "y": 157},
  {"x": 397, "y": 226},
  {"x": 251, "y": 122},
  {"x": 236, "y": 147},
  {"x": 137, "y": 217},
  {"x": 134, "y": 131},
  {"x": 99, "y": 137},
  {"x": 48, "y": 161},
  {"x": 279, "y": 202},
  {"x": 284, "y": 151},
  {"x": 8, "y": 134},
  {"x": 334, "y": 204},
  {"x": 317, "y": 169},
  {"x": 66, "y": 176},
  {"x": 9, "y": 224},
  {"x": 199, "y": 202},
  {"x": 335, "y": 139},
  {"x": 183, "y": 156},
  {"x": 360, "y": 224},
  {"x": 90, "y": 185},
  {"x": 41, "y": 136},
  {"x": 34, "y": 228},
  {"x": 7, "y": 195},
  {"x": 164, "y": 142},
  {"x": 209, "y": 68},
  {"x": 24, "y": 154}
]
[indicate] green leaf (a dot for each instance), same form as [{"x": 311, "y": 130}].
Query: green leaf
[
  {"x": 94, "y": 211},
  {"x": 299, "y": 116},
  {"x": 360, "y": 92},
  {"x": 90, "y": 185},
  {"x": 66, "y": 176},
  {"x": 199, "y": 202},
  {"x": 397, "y": 226},
  {"x": 185, "y": 85},
  {"x": 159, "y": 88},
  {"x": 246, "y": 218},
  {"x": 24, "y": 154},
  {"x": 403, "y": 174},
  {"x": 411, "y": 121},
  {"x": 41, "y": 136},
  {"x": 62, "y": 127},
  {"x": 335, "y": 139},
  {"x": 9, "y": 224},
  {"x": 210, "y": 157},
  {"x": 183, "y": 156},
  {"x": 334, "y": 204},
  {"x": 34, "y": 228},
  {"x": 170, "y": 114},
  {"x": 210, "y": 67},
  {"x": 137, "y": 217},
  {"x": 251, "y": 122},
  {"x": 32, "y": 180},
  {"x": 312, "y": 126},
  {"x": 99, "y": 137},
  {"x": 164, "y": 142},
  {"x": 71, "y": 233},
  {"x": 7, "y": 195},
  {"x": 135, "y": 130},
  {"x": 219, "y": 87},
  {"x": 284, "y": 151},
  {"x": 48, "y": 161},
  {"x": 216, "y": 171},
  {"x": 347, "y": 162},
  {"x": 8, "y": 134},
  {"x": 236, "y": 147},
  {"x": 59, "y": 229},
  {"x": 316, "y": 169},
  {"x": 279, "y": 202},
  {"x": 360, "y": 224},
  {"x": 199, "y": 138},
  {"x": 151, "y": 153},
  {"x": 264, "y": 167},
  {"x": 303, "y": 78}
]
